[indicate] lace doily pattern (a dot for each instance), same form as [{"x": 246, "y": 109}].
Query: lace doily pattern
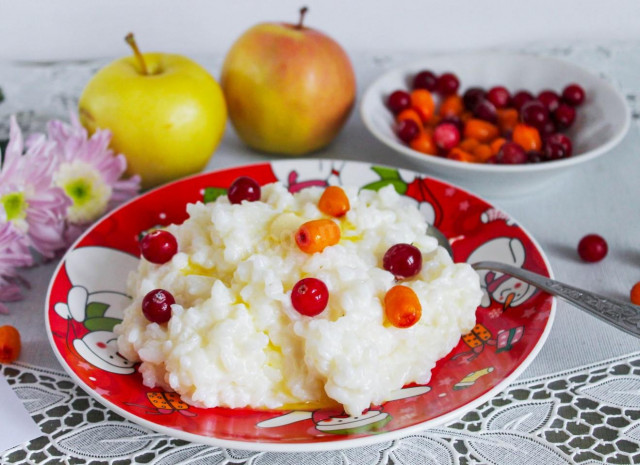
[{"x": 583, "y": 416}]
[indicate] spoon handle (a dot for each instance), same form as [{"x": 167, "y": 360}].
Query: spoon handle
[{"x": 622, "y": 315}]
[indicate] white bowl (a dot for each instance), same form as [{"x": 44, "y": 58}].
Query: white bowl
[{"x": 601, "y": 122}]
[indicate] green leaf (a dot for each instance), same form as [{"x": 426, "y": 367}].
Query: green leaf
[
  {"x": 101, "y": 324},
  {"x": 96, "y": 309},
  {"x": 399, "y": 186},
  {"x": 212, "y": 193},
  {"x": 386, "y": 173}
]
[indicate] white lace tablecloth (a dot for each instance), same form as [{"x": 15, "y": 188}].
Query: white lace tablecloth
[{"x": 578, "y": 402}]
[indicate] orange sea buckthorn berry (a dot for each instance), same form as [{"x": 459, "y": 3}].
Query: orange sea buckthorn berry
[
  {"x": 452, "y": 105},
  {"x": 457, "y": 153},
  {"x": 411, "y": 114},
  {"x": 482, "y": 153},
  {"x": 527, "y": 136},
  {"x": 496, "y": 144},
  {"x": 507, "y": 119},
  {"x": 424, "y": 143},
  {"x": 402, "y": 307},
  {"x": 10, "y": 344},
  {"x": 422, "y": 102},
  {"x": 313, "y": 236},
  {"x": 468, "y": 144},
  {"x": 481, "y": 130},
  {"x": 635, "y": 294},
  {"x": 334, "y": 201}
]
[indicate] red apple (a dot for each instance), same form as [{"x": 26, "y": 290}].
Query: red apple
[{"x": 289, "y": 88}]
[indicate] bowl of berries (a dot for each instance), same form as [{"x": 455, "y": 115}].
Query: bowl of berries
[{"x": 495, "y": 123}]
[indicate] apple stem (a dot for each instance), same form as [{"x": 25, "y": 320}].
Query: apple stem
[
  {"x": 303, "y": 11},
  {"x": 136, "y": 51}
]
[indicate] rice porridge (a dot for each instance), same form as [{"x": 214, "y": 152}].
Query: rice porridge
[{"x": 234, "y": 338}]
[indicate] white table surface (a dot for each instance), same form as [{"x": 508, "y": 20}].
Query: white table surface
[{"x": 599, "y": 197}]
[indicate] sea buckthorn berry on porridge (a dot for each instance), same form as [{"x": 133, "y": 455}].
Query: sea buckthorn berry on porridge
[
  {"x": 334, "y": 201},
  {"x": 310, "y": 296},
  {"x": 10, "y": 344},
  {"x": 244, "y": 188},
  {"x": 158, "y": 246},
  {"x": 313, "y": 236},
  {"x": 402, "y": 260},
  {"x": 156, "y": 306},
  {"x": 402, "y": 307}
]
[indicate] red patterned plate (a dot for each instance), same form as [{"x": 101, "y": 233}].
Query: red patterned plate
[{"x": 87, "y": 295}]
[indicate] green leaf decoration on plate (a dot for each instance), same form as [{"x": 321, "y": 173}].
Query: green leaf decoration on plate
[{"x": 212, "y": 193}]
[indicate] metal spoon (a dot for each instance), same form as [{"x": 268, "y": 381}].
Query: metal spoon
[{"x": 622, "y": 315}]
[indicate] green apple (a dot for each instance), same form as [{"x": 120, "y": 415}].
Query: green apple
[
  {"x": 289, "y": 88},
  {"x": 166, "y": 113}
]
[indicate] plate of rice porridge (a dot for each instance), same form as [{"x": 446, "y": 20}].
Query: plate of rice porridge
[{"x": 297, "y": 305}]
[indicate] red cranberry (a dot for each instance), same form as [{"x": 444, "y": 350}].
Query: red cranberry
[
  {"x": 573, "y": 94},
  {"x": 499, "y": 96},
  {"x": 535, "y": 156},
  {"x": 486, "y": 110},
  {"x": 560, "y": 146},
  {"x": 156, "y": 306},
  {"x": 472, "y": 96},
  {"x": 511, "y": 154},
  {"x": 549, "y": 99},
  {"x": 446, "y": 136},
  {"x": 309, "y": 296},
  {"x": 398, "y": 101},
  {"x": 535, "y": 114},
  {"x": 402, "y": 260},
  {"x": 548, "y": 128},
  {"x": 564, "y": 116},
  {"x": 158, "y": 246},
  {"x": 407, "y": 130},
  {"x": 592, "y": 248},
  {"x": 448, "y": 84},
  {"x": 520, "y": 98},
  {"x": 456, "y": 121},
  {"x": 425, "y": 80},
  {"x": 244, "y": 188}
]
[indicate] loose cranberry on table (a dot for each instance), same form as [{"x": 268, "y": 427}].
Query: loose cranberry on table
[
  {"x": 156, "y": 306},
  {"x": 402, "y": 260},
  {"x": 573, "y": 94},
  {"x": 244, "y": 188},
  {"x": 425, "y": 80},
  {"x": 592, "y": 248},
  {"x": 398, "y": 101},
  {"x": 158, "y": 246},
  {"x": 310, "y": 296}
]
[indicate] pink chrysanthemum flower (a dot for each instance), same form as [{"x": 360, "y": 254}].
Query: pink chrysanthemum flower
[
  {"x": 89, "y": 173},
  {"x": 28, "y": 198},
  {"x": 14, "y": 253}
]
